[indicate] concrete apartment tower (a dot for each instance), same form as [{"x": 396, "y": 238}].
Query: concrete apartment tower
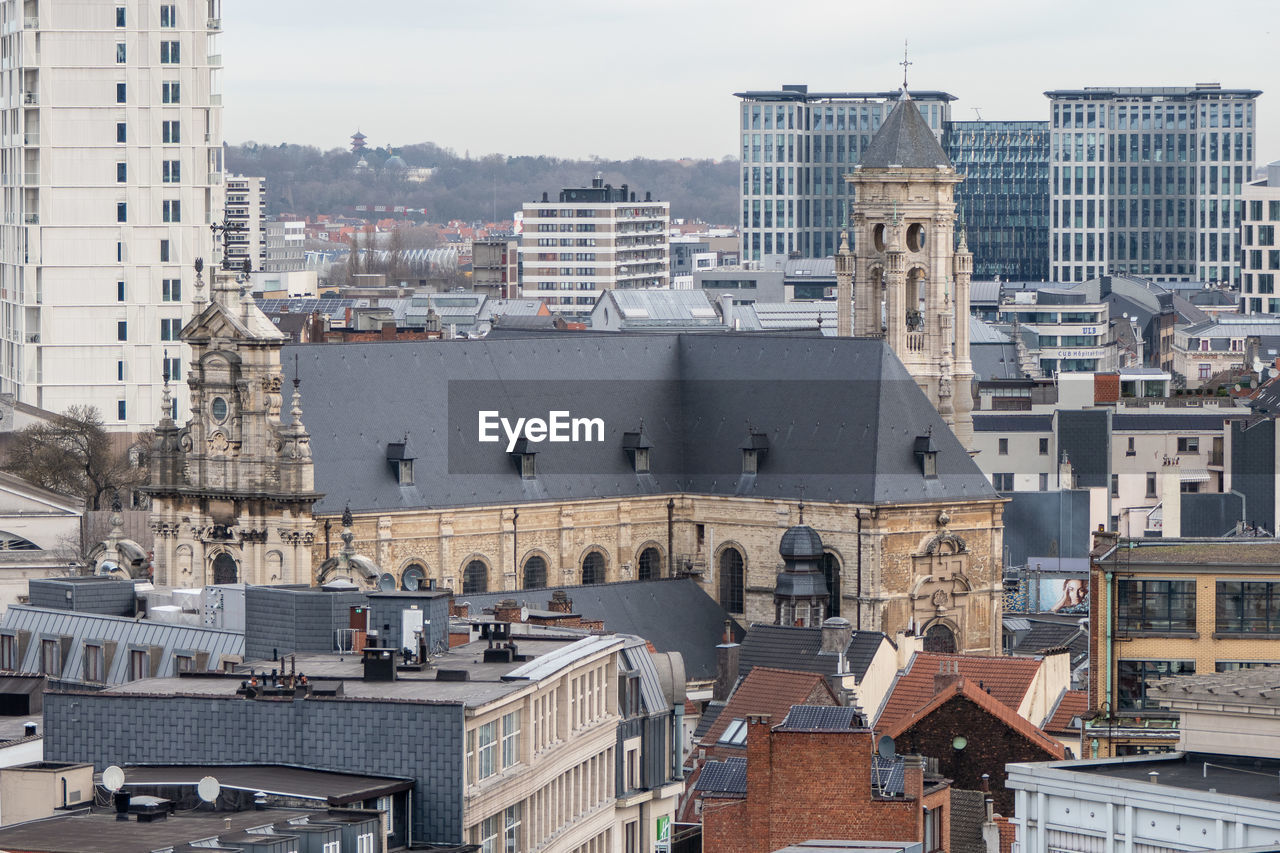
[
  {"x": 908, "y": 280},
  {"x": 112, "y": 166}
]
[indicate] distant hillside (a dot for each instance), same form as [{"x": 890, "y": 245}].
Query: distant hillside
[{"x": 306, "y": 181}]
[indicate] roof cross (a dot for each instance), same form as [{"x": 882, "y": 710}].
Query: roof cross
[{"x": 904, "y": 63}]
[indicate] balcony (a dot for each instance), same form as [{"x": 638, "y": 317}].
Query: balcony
[
  {"x": 215, "y": 60},
  {"x": 30, "y": 219},
  {"x": 31, "y": 23},
  {"x": 31, "y": 178},
  {"x": 31, "y": 99},
  {"x": 31, "y": 138},
  {"x": 215, "y": 177},
  {"x": 214, "y": 23},
  {"x": 33, "y": 337}
]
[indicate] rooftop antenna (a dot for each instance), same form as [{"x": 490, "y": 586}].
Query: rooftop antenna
[{"x": 905, "y": 63}]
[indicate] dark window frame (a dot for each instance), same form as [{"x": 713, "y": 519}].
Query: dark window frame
[{"x": 1156, "y": 605}]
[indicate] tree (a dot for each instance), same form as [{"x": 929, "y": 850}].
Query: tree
[{"x": 74, "y": 454}]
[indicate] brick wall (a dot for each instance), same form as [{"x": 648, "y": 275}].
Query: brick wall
[
  {"x": 412, "y": 740},
  {"x": 803, "y": 785}
]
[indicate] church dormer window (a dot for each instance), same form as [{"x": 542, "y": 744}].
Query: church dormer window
[
  {"x": 927, "y": 452},
  {"x": 523, "y": 458},
  {"x": 637, "y": 446},
  {"x": 754, "y": 451},
  {"x": 400, "y": 457}
]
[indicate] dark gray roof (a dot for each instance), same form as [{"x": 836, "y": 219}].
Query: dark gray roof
[
  {"x": 1175, "y": 421},
  {"x": 905, "y": 140},
  {"x": 787, "y": 647},
  {"x": 822, "y": 718},
  {"x": 968, "y": 812},
  {"x": 1085, "y": 436},
  {"x": 1212, "y": 514},
  {"x": 675, "y": 614},
  {"x": 1045, "y": 634},
  {"x": 801, "y": 542},
  {"x": 1012, "y": 423},
  {"x": 724, "y": 777},
  {"x": 996, "y": 361},
  {"x": 709, "y": 716},
  {"x": 841, "y": 416},
  {"x": 336, "y": 788}
]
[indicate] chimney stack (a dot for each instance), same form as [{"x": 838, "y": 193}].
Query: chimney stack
[
  {"x": 948, "y": 673},
  {"x": 728, "y": 655}
]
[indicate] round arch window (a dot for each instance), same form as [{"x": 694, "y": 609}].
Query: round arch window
[
  {"x": 593, "y": 568},
  {"x": 475, "y": 578},
  {"x": 219, "y": 409},
  {"x": 877, "y": 237},
  {"x": 915, "y": 237},
  {"x": 535, "y": 572},
  {"x": 649, "y": 565}
]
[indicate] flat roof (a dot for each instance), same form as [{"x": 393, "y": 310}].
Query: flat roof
[
  {"x": 1236, "y": 775},
  {"x": 1196, "y": 553},
  {"x": 803, "y": 94},
  {"x": 335, "y": 788}
]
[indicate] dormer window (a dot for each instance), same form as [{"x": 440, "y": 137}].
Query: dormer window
[
  {"x": 927, "y": 452},
  {"x": 400, "y": 457},
  {"x": 405, "y": 472},
  {"x": 637, "y": 446},
  {"x": 523, "y": 457},
  {"x": 754, "y": 451}
]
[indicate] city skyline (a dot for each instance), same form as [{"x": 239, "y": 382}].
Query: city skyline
[{"x": 659, "y": 80}]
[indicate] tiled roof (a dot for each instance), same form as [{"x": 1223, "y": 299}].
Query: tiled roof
[
  {"x": 904, "y": 140},
  {"x": 728, "y": 777},
  {"x": 1048, "y": 635},
  {"x": 1071, "y": 704},
  {"x": 1241, "y": 552},
  {"x": 968, "y": 812},
  {"x": 794, "y": 648},
  {"x": 707, "y": 720},
  {"x": 822, "y": 718},
  {"x": 769, "y": 691},
  {"x": 1008, "y": 679},
  {"x": 970, "y": 690}
]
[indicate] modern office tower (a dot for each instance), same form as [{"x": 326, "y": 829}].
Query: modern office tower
[
  {"x": 593, "y": 239},
  {"x": 111, "y": 165},
  {"x": 797, "y": 146},
  {"x": 1259, "y": 248},
  {"x": 286, "y": 251},
  {"x": 245, "y": 215},
  {"x": 1145, "y": 181},
  {"x": 1004, "y": 200}
]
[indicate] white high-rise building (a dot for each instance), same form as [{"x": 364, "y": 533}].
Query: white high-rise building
[
  {"x": 111, "y": 166},
  {"x": 246, "y": 209},
  {"x": 1259, "y": 246},
  {"x": 593, "y": 239}
]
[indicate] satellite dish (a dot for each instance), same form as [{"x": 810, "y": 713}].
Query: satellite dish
[
  {"x": 884, "y": 747},
  {"x": 524, "y": 613},
  {"x": 208, "y": 789},
  {"x": 113, "y": 778},
  {"x": 386, "y": 583}
]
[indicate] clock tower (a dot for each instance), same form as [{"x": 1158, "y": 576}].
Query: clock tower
[{"x": 232, "y": 491}]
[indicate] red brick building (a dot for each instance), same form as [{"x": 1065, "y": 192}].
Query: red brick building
[{"x": 813, "y": 777}]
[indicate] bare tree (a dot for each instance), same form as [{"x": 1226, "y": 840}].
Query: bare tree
[
  {"x": 74, "y": 454},
  {"x": 353, "y": 259},
  {"x": 395, "y": 256}
]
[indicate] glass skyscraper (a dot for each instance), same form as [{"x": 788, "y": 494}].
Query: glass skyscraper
[
  {"x": 1004, "y": 199},
  {"x": 796, "y": 147}
]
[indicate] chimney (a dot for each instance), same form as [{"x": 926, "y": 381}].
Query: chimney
[
  {"x": 1171, "y": 498},
  {"x": 913, "y": 777},
  {"x": 837, "y": 633},
  {"x": 560, "y": 602},
  {"x": 948, "y": 674},
  {"x": 507, "y": 610},
  {"x": 728, "y": 655},
  {"x": 1066, "y": 475}
]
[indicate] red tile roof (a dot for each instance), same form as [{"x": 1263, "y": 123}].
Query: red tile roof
[
  {"x": 773, "y": 692},
  {"x": 988, "y": 703},
  {"x": 1073, "y": 703},
  {"x": 1007, "y": 677}
]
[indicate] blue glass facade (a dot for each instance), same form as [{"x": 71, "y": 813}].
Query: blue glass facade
[{"x": 1005, "y": 195}]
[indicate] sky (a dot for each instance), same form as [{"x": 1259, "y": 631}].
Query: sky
[{"x": 616, "y": 80}]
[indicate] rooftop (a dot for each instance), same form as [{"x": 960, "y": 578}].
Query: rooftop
[
  {"x": 768, "y": 691},
  {"x": 1247, "y": 688},
  {"x": 336, "y": 788},
  {"x": 905, "y": 141},
  {"x": 796, "y": 648},
  {"x": 1006, "y": 677},
  {"x": 1255, "y": 778},
  {"x": 1193, "y": 553},
  {"x": 1064, "y": 719}
]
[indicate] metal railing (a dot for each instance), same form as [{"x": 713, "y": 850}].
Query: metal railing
[
  {"x": 31, "y": 98},
  {"x": 31, "y": 219}
]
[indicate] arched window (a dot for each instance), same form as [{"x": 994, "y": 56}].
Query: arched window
[
  {"x": 225, "y": 569},
  {"x": 732, "y": 580},
  {"x": 939, "y": 638},
  {"x": 14, "y": 542},
  {"x": 275, "y": 566},
  {"x": 649, "y": 566},
  {"x": 593, "y": 568},
  {"x": 535, "y": 573},
  {"x": 413, "y": 577},
  {"x": 475, "y": 578},
  {"x": 831, "y": 571}
]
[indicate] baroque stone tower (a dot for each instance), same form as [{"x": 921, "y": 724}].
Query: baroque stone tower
[
  {"x": 909, "y": 282},
  {"x": 232, "y": 490}
]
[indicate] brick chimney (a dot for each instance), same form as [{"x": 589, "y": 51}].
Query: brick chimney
[
  {"x": 759, "y": 777},
  {"x": 560, "y": 602},
  {"x": 948, "y": 674},
  {"x": 913, "y": 777},
  {"x": 728, "y": 655},
  {"x": 507, "y": 610}
]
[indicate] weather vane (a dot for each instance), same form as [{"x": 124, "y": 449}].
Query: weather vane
[{"x": 904, "y": 63}]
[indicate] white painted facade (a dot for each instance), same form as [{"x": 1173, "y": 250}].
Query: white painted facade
[
  {"x": 246, "y": 209},
  {"x": 111, "y": 167}
]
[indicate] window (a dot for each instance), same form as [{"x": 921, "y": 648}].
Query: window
[
  {"x": 122, "y": 330},
  {"x": 8, "y": 652},
  {"x": 510, "y": 739},
  {"x": 122, "y": 211},
  {"x": 1246, "y": 607},
  {"x": 120, "y": 52},
  {"x": 170, "y": 53},
  {"x": 120, "y": 16},
  {"x": 122, "y": 132},
  {"x": 170, "y": 329},
  {"x": 732, "y": 580},
  {"x": 364, "y": 843},
  {"x": 164, "y": 257},
  {"x": 1044, "y": 482},
  {"x": 1143, "y": 605},
  {"x": 1115, "y": 485},
  {"x": 121, "y": 91},
  {"x": 172, "y": 368},
  {"x": 93, "y": 665},
  {"x": 1189, "y": 444},
  {"x": 170, "y": 92},
  {"x": 1003, "y": 447},
  {"x": 122, "y": 173},
  {"x": 50, "y": 657},
  {"x": 171, "y": 132},
  {"x": 475, "y": 578},
  {"x": 535, "y": 573},
  {"x": 932, "y": 830},
  {"x": 121, "y": 411},
  {"x": 1044, "y": 447},
  {"x": 1133, "y": 676},
  {"x": 171, "y": 210},
  {"x": 120, "y": 291},
  {"x": 735, "y": 734},
  {"x": 1151, "y": 484},
  {"x": 649, "y": 565},
  {"x": 168, "y": 16},
  {"x": 486, "y": 750},
  {"x": 1003, "y": 482},
  {"x": 593, "y": 568},
  {"x": 1236, "y": 665},
  {"x": 1129, "y": 451},
  {"x": 119, "y": 371},
  {"x": 183, "y": 662},
  {"x": 171, "y": 171},
  {"x": 120, "y": 253}
]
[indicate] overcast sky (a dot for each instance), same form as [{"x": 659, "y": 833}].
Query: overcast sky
[{"x": 615, "y": 79}]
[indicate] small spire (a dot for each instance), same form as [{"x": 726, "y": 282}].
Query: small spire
[
  {"x": 166, "y": 396},
  {"x": 905, "y": 63},
  {"x": 197, "y": 292},
  {"x": 844, "y": 242}
]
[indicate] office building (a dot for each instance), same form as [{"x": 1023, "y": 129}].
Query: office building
[
  {"x": 244, "y": 218},
  {"x": 796, "y": 147},
  {"x": 112, "y": 154},
  {"x": 1004, "y": 200},
  {"x": 1145, "y": 181},
  {"x": 1259, "y": 249},
  {"x": 591, "y": 240},
  {"x": 1073, "y": 329}
]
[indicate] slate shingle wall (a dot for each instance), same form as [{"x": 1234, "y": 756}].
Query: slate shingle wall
[
  {"x": 107, "y": 597},
  {"x": 418, "y": 741}
]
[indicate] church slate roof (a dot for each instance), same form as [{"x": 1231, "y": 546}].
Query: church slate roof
[
  {"x": 797, "y": 648},
  {"x": 841, "y": 416},
  {"x": 905, "y": 140}
]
